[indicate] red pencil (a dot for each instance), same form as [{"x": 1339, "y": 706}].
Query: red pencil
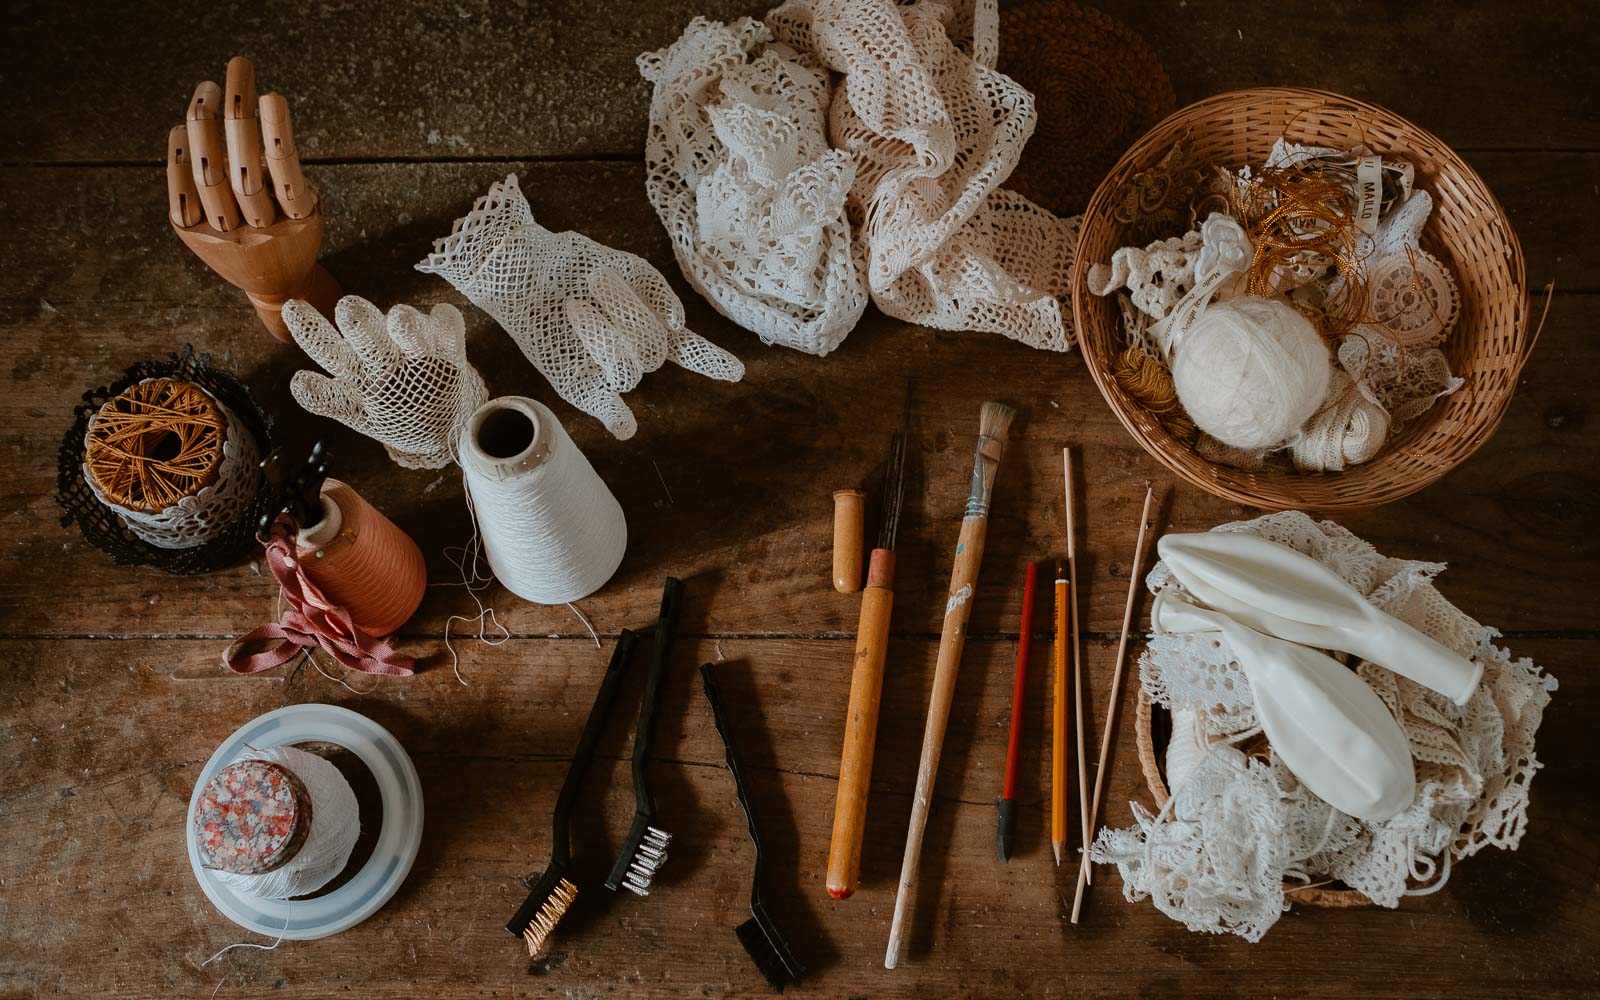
[{"x": 1005, "y": 833}]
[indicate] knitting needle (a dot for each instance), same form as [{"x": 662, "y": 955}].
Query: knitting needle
[
  {"x": 1111, "y": 702},
  {"x": 1058, "y": 721},
  {"x": 1077, "y": 643}
]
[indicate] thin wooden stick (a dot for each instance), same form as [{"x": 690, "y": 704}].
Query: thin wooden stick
[
  {"x": 994, "y": 422},
  {"x": 1111, "y": 702},
  {"x": 1077, "y": 645}
]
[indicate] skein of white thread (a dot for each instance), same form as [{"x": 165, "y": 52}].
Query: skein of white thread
[
  {"x": 1184, "y": 750},
  {"x": 335, "y": 828},
  {"x": 551, "y": 529}
]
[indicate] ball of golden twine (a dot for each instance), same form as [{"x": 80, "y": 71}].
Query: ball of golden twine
[{"x": 155, "y": 444}]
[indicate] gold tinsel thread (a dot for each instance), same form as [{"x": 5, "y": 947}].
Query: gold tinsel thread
[
  {"x": 1150, "y": 385},
  {"x": 156, "y": 443}
]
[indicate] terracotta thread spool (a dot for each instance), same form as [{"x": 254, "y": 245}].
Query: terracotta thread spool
[{"x": 362, "y": 561}]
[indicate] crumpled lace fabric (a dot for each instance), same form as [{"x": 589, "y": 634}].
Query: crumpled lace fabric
[
  {"x": 1238, "y": 828},
  {"x": 934, "y": 130},
  {"x": 752, "y": 197},
  {"x": 403, "y": 380},
  {"x": 593, "y": 320}
]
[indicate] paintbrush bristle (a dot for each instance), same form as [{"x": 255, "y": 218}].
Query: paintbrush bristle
[
  {"x": 550, "y": 913},
  {"x": 994, "y": 421}
]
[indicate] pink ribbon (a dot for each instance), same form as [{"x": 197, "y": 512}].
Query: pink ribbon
[{"x": 311, "y": 620}]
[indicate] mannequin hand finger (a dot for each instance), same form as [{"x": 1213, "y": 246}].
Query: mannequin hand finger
[
  {"x": 613, "y": 352},
  {"x": 317, "y": 337},
  {"x": 295, "y": 196},
  {"x": 411, "y": 332},
  {"x": 366, "y": 332},
  {"x": 324, "y": 397},
  {"x": 694, "y": 352},
  {"x": 183, "y": 199},
  {"x": 208, "y": 157},
  {"x": 246, "y": 171}
]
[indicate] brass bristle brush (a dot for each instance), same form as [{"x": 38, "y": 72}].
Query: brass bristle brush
[
  {"x": 554, "y": 893},
  {"x": 645, "y": 850},
  {"x": 993, "y": 424}
]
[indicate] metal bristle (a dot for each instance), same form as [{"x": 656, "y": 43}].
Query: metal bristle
[
  {"x": 549, "y": 915},
  {"x": 647, "y": 860},
  {"x": 894, "y": 490}
]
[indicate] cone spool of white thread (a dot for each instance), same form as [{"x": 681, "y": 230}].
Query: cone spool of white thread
[
  {"x": 335, "y": 828},
  {"x": 553, "y": 532}
]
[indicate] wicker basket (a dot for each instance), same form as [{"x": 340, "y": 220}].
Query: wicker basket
[
  {"x": 1150, "y": 765},
  {"x": 1468, "y": 230}
]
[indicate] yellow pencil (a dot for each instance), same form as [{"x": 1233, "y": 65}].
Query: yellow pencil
[{"x": 1058, "y": 728}]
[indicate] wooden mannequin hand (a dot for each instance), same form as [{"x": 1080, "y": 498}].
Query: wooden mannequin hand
[{"x": 263, "y": 238}]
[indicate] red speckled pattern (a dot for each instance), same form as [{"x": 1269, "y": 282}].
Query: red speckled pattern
[{"x": 251, "y": 818}]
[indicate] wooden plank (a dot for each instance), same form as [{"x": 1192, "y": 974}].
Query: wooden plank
[
  {"x": 99, "y": 899},
  {"x": 730, "y": 482},
  {"x": 478, "y": 78}
]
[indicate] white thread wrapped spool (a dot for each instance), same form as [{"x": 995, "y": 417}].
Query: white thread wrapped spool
[
  {"x": 335, "y": 828},
  {"x": 1250, "y": 372},
  {"x": 553, "y": 532}
]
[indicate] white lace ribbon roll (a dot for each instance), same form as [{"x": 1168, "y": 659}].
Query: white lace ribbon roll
[
  {"x": 335, "y": 828},
  {"x": 552, "y": 530}
]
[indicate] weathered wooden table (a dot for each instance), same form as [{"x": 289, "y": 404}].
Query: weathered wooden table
[{"x": 112, "y": 696}]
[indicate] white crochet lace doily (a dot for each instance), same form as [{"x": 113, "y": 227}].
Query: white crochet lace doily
[
  {"x": 197, "y": 519},
  {"x": 753, "y": 199},
  {"x": 934, "y": 130},
  {"x": 593, "y": 320},
  {"x": 1238, "y": 828}
]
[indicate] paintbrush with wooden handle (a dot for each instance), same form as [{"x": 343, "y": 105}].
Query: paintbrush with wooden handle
[
  {"x": 994, "y": 422},
  {"x": 866, "y": 688}
]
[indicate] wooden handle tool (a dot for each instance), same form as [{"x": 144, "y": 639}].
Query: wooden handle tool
[
  {"x": 994, "y": 423},
  {"x": 847, "y": 517},
  {"x": 866, "y": 689}
]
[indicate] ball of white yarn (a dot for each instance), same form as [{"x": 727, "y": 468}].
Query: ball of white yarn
[{"x": 1251, "y": 371}]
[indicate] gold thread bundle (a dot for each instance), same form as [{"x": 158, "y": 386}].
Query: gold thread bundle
[
  {"x": 1148, "y": 383},
  {"x": 158, "y": 442}
]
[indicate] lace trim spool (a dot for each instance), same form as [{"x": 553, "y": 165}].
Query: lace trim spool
[
  {"x": 362, "y": 561},
  {"x": 553, "y": 532},
  {"x": 172, "y": 461},
  {"x": 278, "y": 840}
]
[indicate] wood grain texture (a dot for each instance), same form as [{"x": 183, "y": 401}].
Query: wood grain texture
[
  {"x": 87, "y": 801},
  {"x": 113, "y": 697},
  {"x": 556, "y": 78}
]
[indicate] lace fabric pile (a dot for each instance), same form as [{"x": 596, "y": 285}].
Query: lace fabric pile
[
  {"x": 1385, "y": 372},
  {"x": 1239, "y": 832},
  {"x": 753, "y": 198},
  {"x": 924, "y": 131},
  {"x": 593, "y": 320}
]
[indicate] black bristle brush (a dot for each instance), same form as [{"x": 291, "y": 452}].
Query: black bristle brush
[
  {"x": 645, "y": 850},
  {"x": 554, "y": 893},
  {"x": 760, "y": 936}
]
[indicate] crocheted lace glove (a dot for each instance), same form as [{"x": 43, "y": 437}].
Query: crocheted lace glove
[
  {"x": 403, "y": 381},
  {"x": 593, "y": 320}
]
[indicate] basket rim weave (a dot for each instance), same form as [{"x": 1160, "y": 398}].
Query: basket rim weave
[{"x": 1489, "y": 347}]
